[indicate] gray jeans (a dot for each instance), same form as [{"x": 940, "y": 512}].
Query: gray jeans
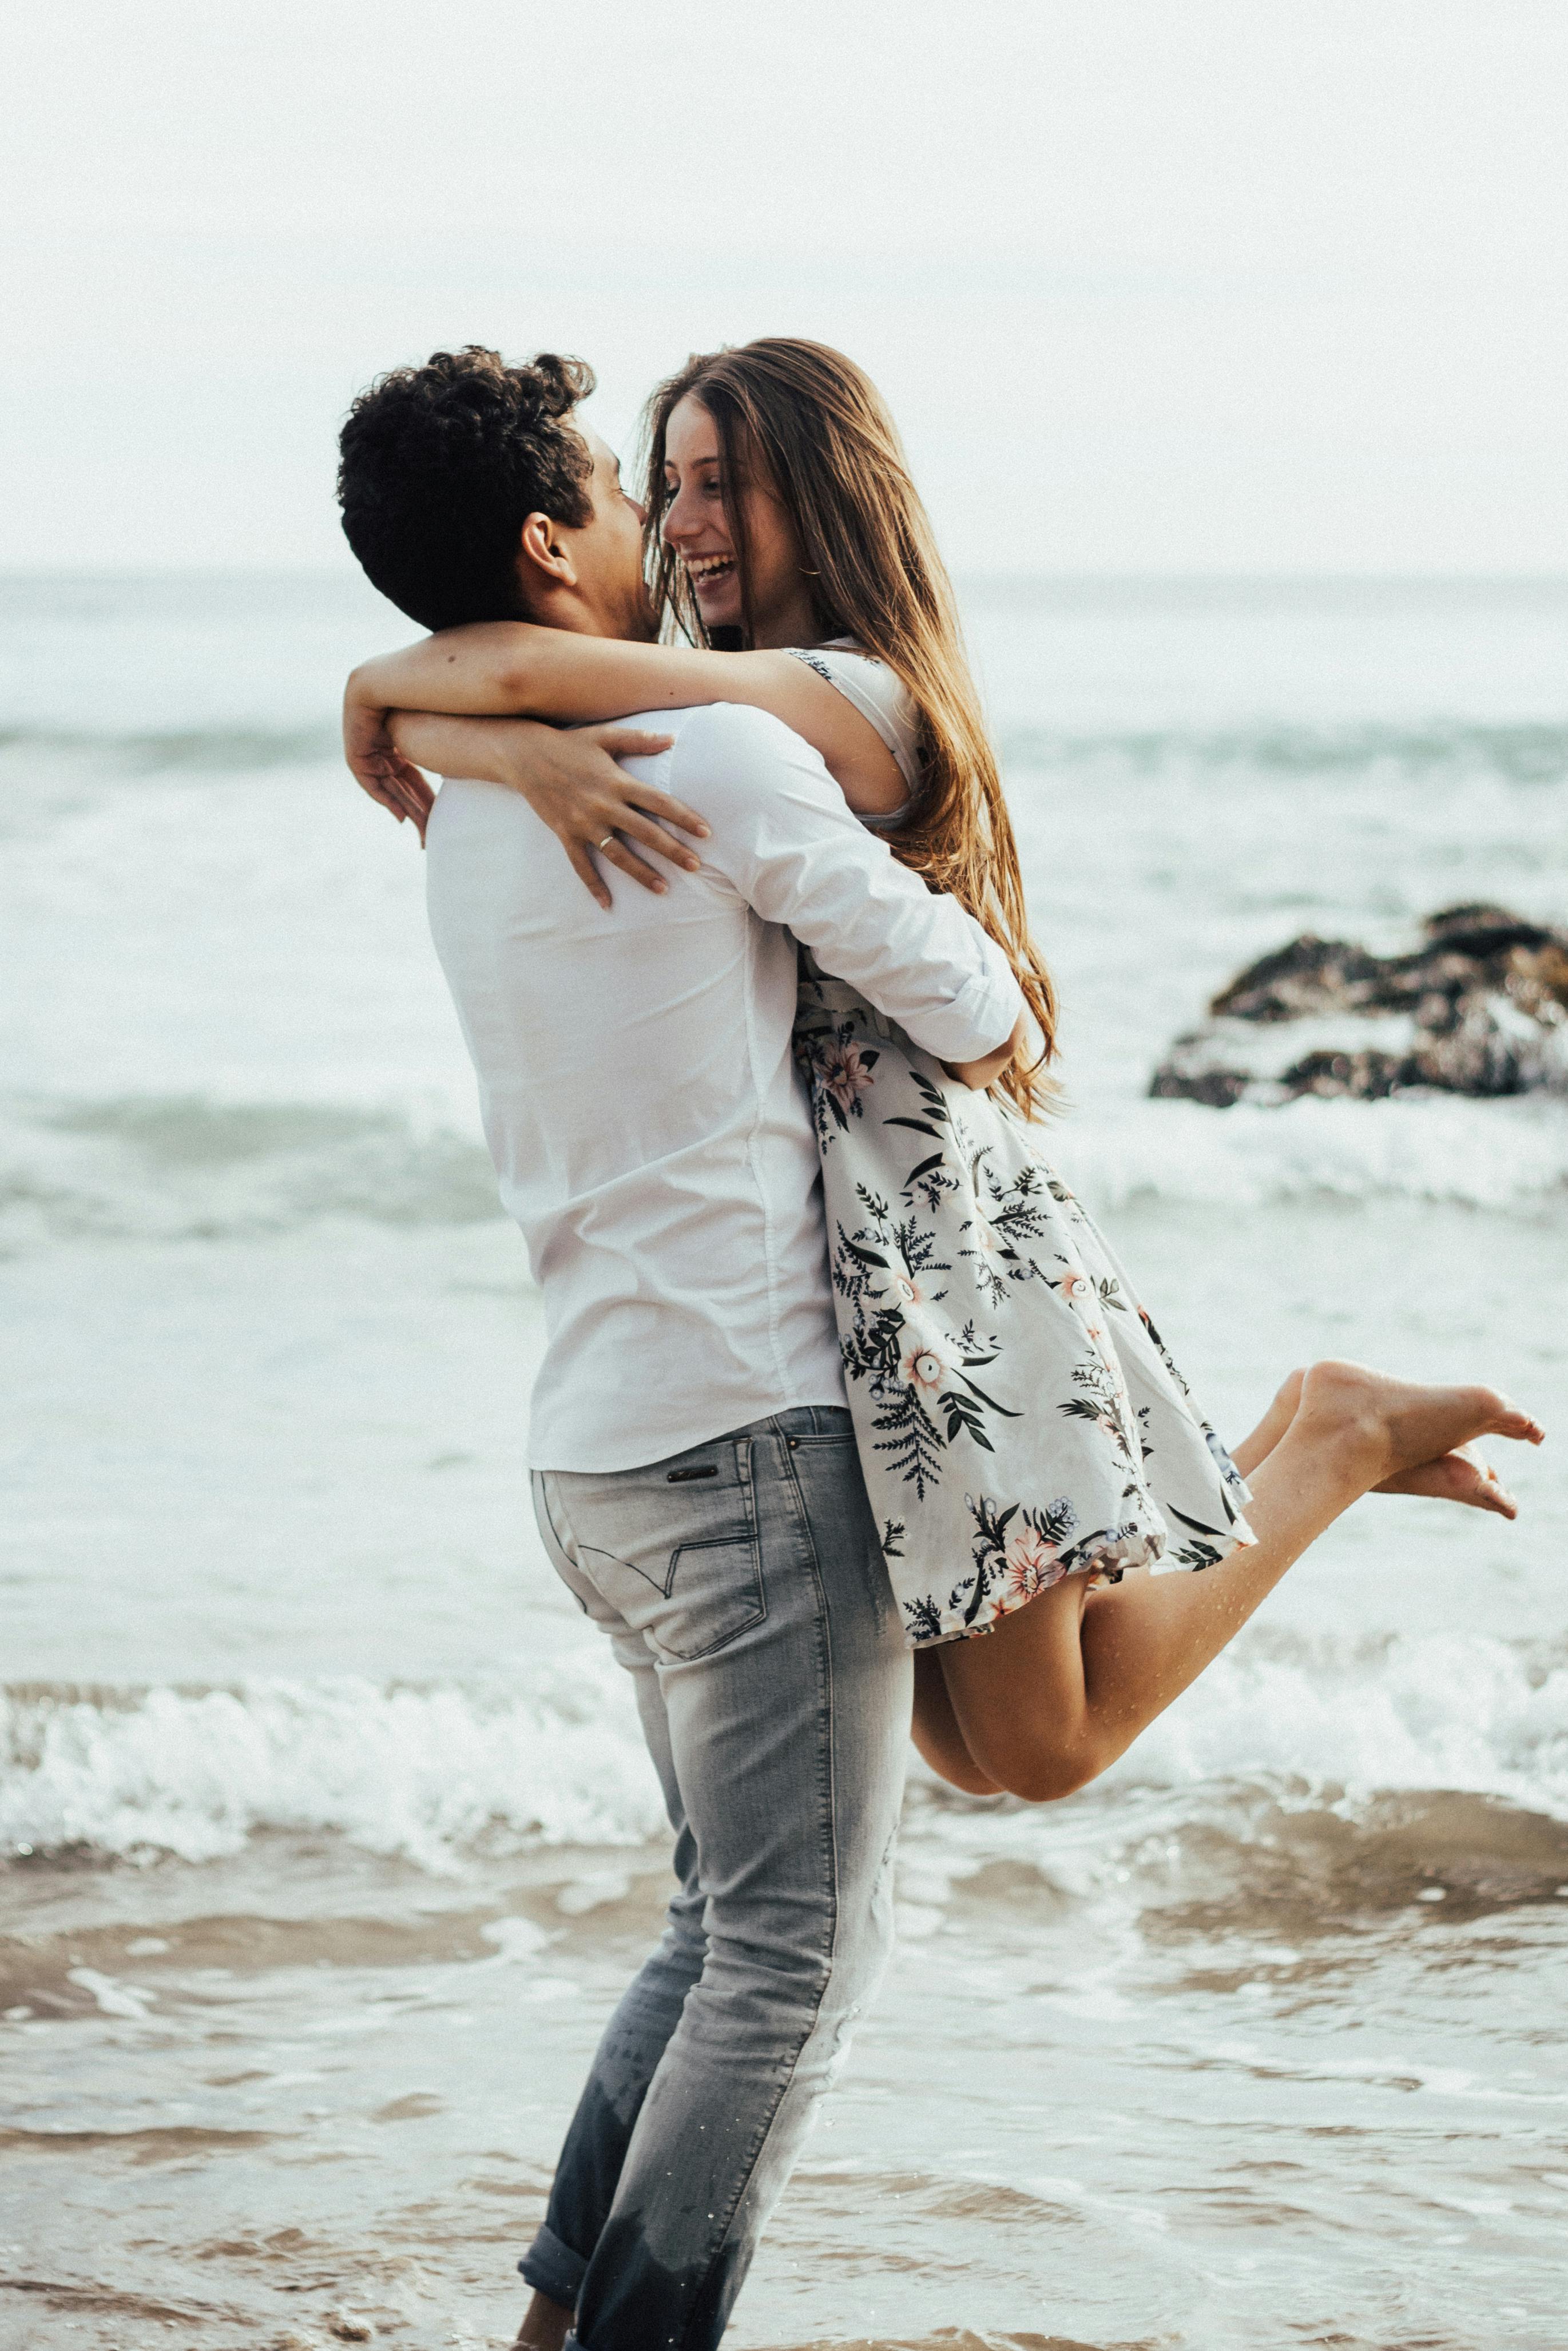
[{"x": 744, "y": 1590}]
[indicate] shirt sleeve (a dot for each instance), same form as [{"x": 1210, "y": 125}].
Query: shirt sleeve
[{"x": 786, "y": 841}]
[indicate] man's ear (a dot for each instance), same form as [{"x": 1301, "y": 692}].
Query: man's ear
[{"x": 543, "y": 560}]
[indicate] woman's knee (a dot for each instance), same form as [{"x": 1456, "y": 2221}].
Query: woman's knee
[
  {"x": 962, "y": 1772},
  {"x": 1040, "y": 1770},
  {"x": 951, "y": 1761}
]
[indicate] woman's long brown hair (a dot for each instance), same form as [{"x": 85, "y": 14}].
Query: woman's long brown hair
[{"x": 818, "y": 428}]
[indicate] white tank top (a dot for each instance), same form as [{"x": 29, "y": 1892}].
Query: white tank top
[{"x": 882, "y": 697}]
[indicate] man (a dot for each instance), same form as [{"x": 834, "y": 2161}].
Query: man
[{"x": 695, "y": 1474}]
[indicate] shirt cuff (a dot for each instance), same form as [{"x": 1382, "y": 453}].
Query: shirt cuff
[{"x": 982, "y": 1016}]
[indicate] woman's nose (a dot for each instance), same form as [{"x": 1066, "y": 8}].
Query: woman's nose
[{"x": 677, "y": 524}]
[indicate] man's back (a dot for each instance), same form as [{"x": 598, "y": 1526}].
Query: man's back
[{"x": 651, "y": 1134}]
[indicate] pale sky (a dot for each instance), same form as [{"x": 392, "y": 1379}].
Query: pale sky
[{"x": 1152, "y": 286}]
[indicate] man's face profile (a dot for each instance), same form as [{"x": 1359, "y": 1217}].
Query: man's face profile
[{"x": 607, "y": 550}]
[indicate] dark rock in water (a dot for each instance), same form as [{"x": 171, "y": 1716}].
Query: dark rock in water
[
  {"x": 1309, "y": 976},
  {"x": 1480, "y": 1007},
  {"x": 1177, "y": 1080},
  {"x": 1371, "y": 1076}
]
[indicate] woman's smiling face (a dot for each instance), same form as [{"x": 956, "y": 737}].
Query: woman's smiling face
[{"x": 696, "y": 526}]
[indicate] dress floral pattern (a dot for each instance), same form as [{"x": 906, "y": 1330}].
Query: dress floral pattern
[{"x": 1017, "y": 1417}]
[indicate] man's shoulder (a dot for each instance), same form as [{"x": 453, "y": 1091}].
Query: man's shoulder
[
  {"x": 713, "y": 728},
  {"x": 712, "y": 739},
  {"x": 730, "y": 743}
]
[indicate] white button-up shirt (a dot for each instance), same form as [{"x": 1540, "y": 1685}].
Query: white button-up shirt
[{"x": 652, "y": 1135}]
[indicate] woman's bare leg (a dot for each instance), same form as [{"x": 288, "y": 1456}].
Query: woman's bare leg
[
  {"x": 936, "y": 1731},
  {"x": 1255, "y": 1448},
  {"x": 1061, "y": 1688},
  {"x": 1459, "y": 1475},
  {"x": 935, "y": 1728}
]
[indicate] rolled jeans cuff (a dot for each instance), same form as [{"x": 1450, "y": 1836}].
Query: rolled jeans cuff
[{"x": 552, "y": 2268}]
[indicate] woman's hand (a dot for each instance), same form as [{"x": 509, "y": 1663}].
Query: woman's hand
[
  {"x": 571, "y": 779},
  {"x": 378, "y": 765}
]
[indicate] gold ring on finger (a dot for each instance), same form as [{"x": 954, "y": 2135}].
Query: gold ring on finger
[{"x": 607, "y": 840}]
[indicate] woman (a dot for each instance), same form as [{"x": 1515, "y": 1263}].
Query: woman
[{"x": 1024, "y": 1435}]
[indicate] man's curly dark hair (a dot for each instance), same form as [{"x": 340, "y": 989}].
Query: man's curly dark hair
[{"x": 440, "y": 465}]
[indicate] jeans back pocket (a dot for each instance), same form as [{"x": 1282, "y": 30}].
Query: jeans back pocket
[{"x": 675, "y": 1554}]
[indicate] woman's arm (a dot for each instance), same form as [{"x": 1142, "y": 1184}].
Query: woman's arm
[
  {"x": 510, "y": 667},
  {"x": 987, "y": 1071}
]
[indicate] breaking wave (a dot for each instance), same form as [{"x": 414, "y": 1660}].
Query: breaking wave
[
  {"x": 184, "y": 1167},
  {"x": 433, "y": 1773},
  {"x": 427, "y": 1773},
  {"x": 1507, "y": 1155}
]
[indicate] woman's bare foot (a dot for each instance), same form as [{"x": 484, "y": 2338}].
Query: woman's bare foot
[
  {"x": 1396, "y": 1427},
  {"x": 1462, "y": 1475}
]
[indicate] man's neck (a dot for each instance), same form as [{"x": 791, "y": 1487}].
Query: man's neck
[{"x": 564, "y": 609}]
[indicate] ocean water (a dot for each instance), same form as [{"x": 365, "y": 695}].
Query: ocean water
[{"x": 326, "y": 1835}]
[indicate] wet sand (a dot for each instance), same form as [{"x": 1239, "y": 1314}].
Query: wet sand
[{"x": 1134, "y": 2080}]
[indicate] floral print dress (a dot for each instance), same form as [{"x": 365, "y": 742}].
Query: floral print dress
[{"x": 1017, "y": 1415}]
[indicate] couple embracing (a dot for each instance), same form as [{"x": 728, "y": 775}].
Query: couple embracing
[{"x": 849, "y": 1420}]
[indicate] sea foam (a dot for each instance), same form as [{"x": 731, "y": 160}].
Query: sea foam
[
  {"x": 426, "y": 1773},
  {"x": 1510, "y": 1156},
  {"x": 435, "y": 1774}
]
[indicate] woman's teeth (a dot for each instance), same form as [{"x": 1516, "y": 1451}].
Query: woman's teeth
[{"x": 702, "y": 569}]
